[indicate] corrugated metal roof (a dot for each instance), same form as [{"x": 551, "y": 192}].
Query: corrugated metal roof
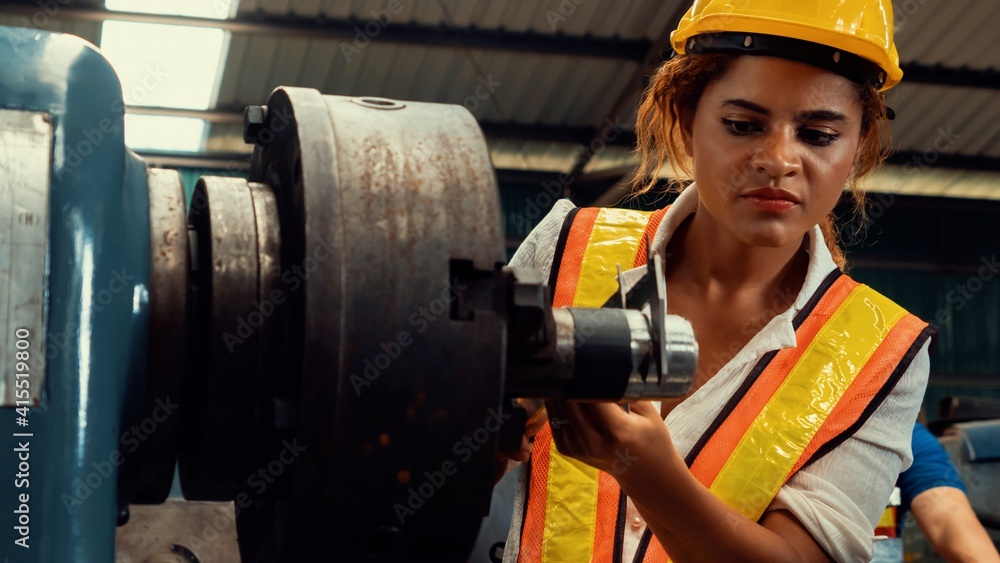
[
  {"x": 629, "y": 19},
  {"x": 946, "y": 118},
  {"x": 495, "y": 86},
  {"x": 953, "y": 33}
]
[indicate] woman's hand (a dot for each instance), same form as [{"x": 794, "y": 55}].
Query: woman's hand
[
  {"x": 536, "y": 420},
  {"x": 606, "y": 436}
]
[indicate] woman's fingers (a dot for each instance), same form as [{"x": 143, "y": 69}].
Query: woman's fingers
[
  {"x": 645, "y": 409},
  {"x": 561, "y": 426},
  {"x": 587, "y": 430}
]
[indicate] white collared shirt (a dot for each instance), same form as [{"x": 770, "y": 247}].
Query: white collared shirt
[{"x": 840, "y": 497}]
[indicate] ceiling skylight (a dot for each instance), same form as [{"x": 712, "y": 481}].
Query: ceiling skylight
[
  {"x": 157, "y": 132},
  {"x": 214, "y": 9},
  {"x": 169, "y": 66},
  {"x": 164, "y": 65}
]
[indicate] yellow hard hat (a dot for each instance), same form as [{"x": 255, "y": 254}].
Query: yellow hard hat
[{"x": 850, "y": 37}]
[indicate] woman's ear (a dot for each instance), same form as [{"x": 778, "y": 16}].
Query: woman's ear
[{"x": 686, "y": 120}]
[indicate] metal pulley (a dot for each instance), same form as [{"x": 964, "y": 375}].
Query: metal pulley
[
  {"x": 235, "y": 267},
  {"x": 354, "y": 338}
]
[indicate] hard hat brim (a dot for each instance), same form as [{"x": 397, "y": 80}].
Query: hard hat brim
[
  {"x": 866, "y": 47},
  {"x": 855, "y": 68}
]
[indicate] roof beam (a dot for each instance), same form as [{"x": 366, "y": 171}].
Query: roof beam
[
  {"x": 230, "y": 162},
  {"x": 917, "y": 160},
  {"x": 915, "y": 73},
  {"x": 364, "y": 31},
  {"x": 209, "y": 115},
  {"x": 492, "y": 129}
]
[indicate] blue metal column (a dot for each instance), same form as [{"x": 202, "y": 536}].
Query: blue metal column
[{"x": 97, "y": 322}]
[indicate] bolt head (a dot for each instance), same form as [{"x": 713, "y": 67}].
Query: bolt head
[{"x": 254, "y": 121}]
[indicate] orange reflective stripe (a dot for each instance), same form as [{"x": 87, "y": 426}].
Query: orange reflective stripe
[
  {"x": 722, "y": 443},
  {"x": 650, "y": 233},
  {"x": 537, "y": 532},
  {"x": 608, "y": 494},
  {"x": 654, "y": 552},
  {"x": 533, "y": 530},
  {"x": 766, "y": 454},
  {"x": 872, "y": 379},
  {"x": 572, "y": 258}
]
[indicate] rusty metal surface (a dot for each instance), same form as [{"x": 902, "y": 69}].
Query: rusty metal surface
[
  {"x": 179, "y": 532},
  {"x": 269, "y": 319},
  {"x": 376, "y": 199},
  {"x": 149, "y": 480},
  {"x": 238, "y": 414},
  {"x": 219, "y": 389}
]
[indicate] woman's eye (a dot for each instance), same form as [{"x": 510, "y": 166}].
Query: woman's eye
[
  {"x": 816, "y": 137},
  {"x": 740, "y": 127}
]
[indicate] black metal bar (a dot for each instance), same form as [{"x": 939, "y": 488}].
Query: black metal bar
[
  {"x": 551, "y": 133},
  {"x": 946, "y": 379},
  {"x": 916, "y": 73},
  {"x": 363, "y": 31},
  {"x": 237, "y": 163},
  {"x": 911, "y": 265},
  {"x": 492, "y": 129},
  {"x": 917, "y": 161},
  {"x": 531, "y": 178},
  {"x": 209, "y": 115}
]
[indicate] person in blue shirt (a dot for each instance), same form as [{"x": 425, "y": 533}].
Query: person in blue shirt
[{"x": 933, "y": 491}]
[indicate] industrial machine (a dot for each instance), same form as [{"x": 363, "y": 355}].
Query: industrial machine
[{"x": 332, "y": 345}]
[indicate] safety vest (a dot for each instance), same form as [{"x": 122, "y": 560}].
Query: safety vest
[{"x": 853, "y": 347}]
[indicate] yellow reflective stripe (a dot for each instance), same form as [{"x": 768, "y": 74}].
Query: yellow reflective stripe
[
  {"x": 888, "y": 519},
  {"x": 614, "y": 240},
  {"x": 769, "y": 449},
  {"x": 571, "y": 496},
  {"x": 570, "y": 510}
]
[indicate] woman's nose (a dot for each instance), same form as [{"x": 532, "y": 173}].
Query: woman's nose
[{"x": 778, "y": 156}]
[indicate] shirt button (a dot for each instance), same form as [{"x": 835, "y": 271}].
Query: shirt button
[{"x": 636, "y": 523}]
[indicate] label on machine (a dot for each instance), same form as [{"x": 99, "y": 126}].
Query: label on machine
[{"x": 25, "y": 158}]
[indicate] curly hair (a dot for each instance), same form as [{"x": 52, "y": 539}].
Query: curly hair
[{"x": 675, "y": 90}]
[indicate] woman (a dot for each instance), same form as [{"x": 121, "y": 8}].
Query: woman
[{"x": 773, "y": 110}]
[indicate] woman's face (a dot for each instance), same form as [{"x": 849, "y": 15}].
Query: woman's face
[{"x": 773, "y": 142}]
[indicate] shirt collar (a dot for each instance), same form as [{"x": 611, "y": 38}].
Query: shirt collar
[{"x": 779, "y": 332}]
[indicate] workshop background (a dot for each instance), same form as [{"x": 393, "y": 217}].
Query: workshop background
[{"x": 554, "y": 85}]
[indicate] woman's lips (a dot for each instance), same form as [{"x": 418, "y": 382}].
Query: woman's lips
[{"x": 769, "y": 199}]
